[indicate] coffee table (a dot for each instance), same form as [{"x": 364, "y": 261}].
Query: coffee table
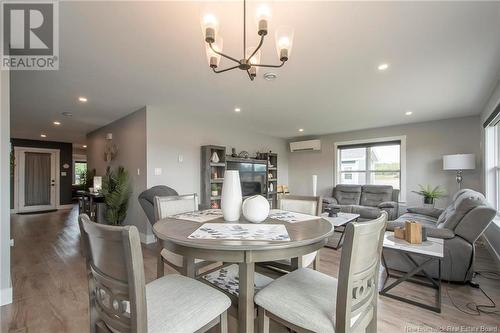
[
  {"x": 431, "y": 250},
  {"x": 340, "y": 222}
]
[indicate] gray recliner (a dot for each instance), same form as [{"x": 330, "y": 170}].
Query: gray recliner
[
  {"x": 460, "y": 225},
  {"x": 366, "y": 200},
  {"x": 147, "y": 199}
]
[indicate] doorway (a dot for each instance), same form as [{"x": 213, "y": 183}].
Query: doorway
[{"x": 36, "y": 183}]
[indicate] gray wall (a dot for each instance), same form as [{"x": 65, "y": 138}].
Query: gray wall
[
  {"x": 172, "y": 133},
  {"x": 5, "y": 285},
  {"x": 425, "y": 144},
  {"x": 492, "y": 234},
  {"x": 129, "y": 134}
]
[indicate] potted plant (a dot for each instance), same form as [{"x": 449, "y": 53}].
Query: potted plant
[
  {"x": 215, "y": 190},
  {"x": 430, "y": 194},
  {"x": 116, "y": 191}
]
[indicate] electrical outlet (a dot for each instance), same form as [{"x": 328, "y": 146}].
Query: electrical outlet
[
  {"x": 158, "y": 171},
  {"x": 181, "y": 158},
  {"x": 12, "y": 242},
  {"x": 138, "y": 172}
]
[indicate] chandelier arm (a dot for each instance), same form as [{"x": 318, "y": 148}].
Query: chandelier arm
[
  {"x": 249, "y": 75},
  {"x": 224, "y": 70},
  {"x": 271, "y": 66},
  {"x": 258, "y": 47},
  {"x": 244, "y": 28},
  {"x": 222, "y": 54}
]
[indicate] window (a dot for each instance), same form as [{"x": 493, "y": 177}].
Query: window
[
  {"x": 80, "y": 169},
  {"x": 377, "y": 163},
  {"x": 492, "y": 158}
]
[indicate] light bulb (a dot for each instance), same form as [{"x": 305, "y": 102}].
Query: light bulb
[
  {"x": 255, "y": 59},
  {"x": 263, "y": 18},
  {"x": 212, "y": 57},
  {"x": 284, "y": 42},
  {"x": 210, "y": 27}
]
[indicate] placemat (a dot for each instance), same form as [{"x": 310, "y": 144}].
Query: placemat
[
  {"x": 200, "y": 216},
  {"x": 240, "y": 231},
  {"x": 290, "y": 217}
]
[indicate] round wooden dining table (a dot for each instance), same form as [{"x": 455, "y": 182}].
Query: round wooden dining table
[{"x": 305, "y": 237}]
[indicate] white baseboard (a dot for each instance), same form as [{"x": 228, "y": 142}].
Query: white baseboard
[
  {"x": 70, "y": 206},
  {"x": 147, "y": 239},
  {"x": 492, "y": 250},
  {"x": 5, "y": 296}
]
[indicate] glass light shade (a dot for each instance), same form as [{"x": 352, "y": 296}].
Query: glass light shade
[
  {"x": 284, "y": 42},
  {"x": 263, "y": 18},
  {"x": 209, "y": 26},
  {"x": 212, "y": 57}
]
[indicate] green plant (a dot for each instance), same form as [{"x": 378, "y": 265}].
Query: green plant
[
  {"x": 430, "y": 193},
  {"x": 116, "y": 191},
  {"x": 87, "y": 178}
]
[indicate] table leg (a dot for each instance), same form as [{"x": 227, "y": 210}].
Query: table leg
[
  {"x": 245, "y": 300},
  {"x": 189, "y": 267},
  {"x": 91, "y": 208},
  {"x": 296, "y": 263}
]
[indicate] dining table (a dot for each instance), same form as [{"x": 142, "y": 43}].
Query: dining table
[{"x": 305, "y": 236}]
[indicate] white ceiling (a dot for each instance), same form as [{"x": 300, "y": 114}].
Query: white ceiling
[{"x": 444, "y": 62}]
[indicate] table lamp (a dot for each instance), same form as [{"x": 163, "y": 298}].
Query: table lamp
[{"x": 458, "y": 163}]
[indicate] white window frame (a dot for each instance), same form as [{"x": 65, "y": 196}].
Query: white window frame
[
  {"x": 78, "y": 158},
  {"x": 492, "y": 165},
  {"x": 401, "y": 139}
]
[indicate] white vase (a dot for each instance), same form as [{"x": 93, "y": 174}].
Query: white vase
[
  {"x": 231, "y": 196},
  {"x": 215, "y": 158},
  {"x": 255, "y": 209}
]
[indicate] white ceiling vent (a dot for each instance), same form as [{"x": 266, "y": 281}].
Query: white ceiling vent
[{"x": 309, "y": 145}]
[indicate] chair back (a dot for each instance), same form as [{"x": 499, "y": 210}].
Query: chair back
[
  {"x": 147, "y": 199},
  {"x": 357, "y": 290},
  {"x": 169, "y": 206},
  {"x": 116, "y": 277},
  {"x": 301, "y": 204}
]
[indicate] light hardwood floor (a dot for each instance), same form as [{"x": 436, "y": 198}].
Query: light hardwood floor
[{"x": 50, "y": 289}]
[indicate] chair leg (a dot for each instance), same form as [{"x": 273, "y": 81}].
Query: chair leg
[
  {"x": 223, "y": 322},
  {"x": 160, "y": 267},
  {"x": 263, "y": 320}
]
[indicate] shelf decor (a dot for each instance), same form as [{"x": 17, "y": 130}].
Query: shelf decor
[
  {"x": 231, "y": 197},
  {"x": 255, "y": 209}
]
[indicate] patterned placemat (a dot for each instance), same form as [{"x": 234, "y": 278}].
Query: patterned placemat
[{"x": 241, "y": 231}]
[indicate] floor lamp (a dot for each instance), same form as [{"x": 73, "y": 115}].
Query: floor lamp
[{"x": 458, "y": 163}]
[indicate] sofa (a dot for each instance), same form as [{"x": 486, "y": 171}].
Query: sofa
[
  {"x": 366, "y": 200},
  {"x": 459, "y": 225}
]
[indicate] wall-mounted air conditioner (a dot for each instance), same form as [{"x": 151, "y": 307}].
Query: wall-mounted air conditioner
[{"x": 309, "y": 145}]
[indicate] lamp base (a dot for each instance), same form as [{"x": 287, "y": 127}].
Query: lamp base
[{"x": 459, "y": 179}]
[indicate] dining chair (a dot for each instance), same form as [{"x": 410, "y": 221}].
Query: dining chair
[
  {"x": 121, "y": 301},
  {"x": 310, "y": 205},
  {"x": 306, "y": 300},
  {"x": 170, "y": 206}
]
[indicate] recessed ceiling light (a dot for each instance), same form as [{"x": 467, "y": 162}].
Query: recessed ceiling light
[
  {"x": 301, "y": 130},
  {"x": 383, "y": 67},
  {"x": 237, "y": 110},
  {"x": 43, "y": 135},
  {"x": 269, "y": 76},
  {"x": 57, "y": 123},
  {"x": 408, "y": 113},
  {"x": 84, "y": 146},
  {"x": 82, "y": 99},
  {"x": 67, "y": 114}
]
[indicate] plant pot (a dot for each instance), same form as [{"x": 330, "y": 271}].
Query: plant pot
[
  {"x": 428, "y": 201},
  {"x": 231, "y": 197}
]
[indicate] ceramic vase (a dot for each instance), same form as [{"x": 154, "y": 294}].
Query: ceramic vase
[
  {"x": 255, "y": 209},
  {"x": 231, "y": 196},
  {"x": 215, "y": 158}
]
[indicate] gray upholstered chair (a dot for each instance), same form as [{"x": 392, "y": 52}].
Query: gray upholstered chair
[
  {"x": 460, "y": 225},
  {"x": 169, "y": 206},
  {"x": 121, "y": 301},
  {"x": 310, "y": 301},
  {"x": 366, "y": 200},
  {"x": 147, "y": 199},
  {"x": 306, "y": 205}
]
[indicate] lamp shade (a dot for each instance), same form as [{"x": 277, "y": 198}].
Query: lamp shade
[{"x": 459, "y": 162}]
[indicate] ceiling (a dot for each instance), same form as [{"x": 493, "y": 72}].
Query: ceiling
[{"x": 444, "y": 62}]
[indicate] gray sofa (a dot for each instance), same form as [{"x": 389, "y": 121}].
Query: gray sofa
[
  {"x": 366, "y": 200},
  {"x": 460, "y": 225}
]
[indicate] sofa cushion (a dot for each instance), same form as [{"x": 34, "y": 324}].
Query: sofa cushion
[
  {"x": 365, "y": 211},
  {"x": 347, "y": 194},
  {"x": 464, "y": 202},
  {"x": 373, "y": 195}
]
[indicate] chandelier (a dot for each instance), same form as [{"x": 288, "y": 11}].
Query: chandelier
[{"x": 250, "y": 60}]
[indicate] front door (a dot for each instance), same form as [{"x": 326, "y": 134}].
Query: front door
[{"x": 37, "y": 180}]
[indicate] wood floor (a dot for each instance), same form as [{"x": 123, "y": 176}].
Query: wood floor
[{"x": 50, "y": 290}]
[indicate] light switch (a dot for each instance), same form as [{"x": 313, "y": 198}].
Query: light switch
[
  {"x": 181, "y": 158},
  {"x": 63, "y": 173},
  {"x": 138, "y": 172},
  {"x": 158, "y": 171}
]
